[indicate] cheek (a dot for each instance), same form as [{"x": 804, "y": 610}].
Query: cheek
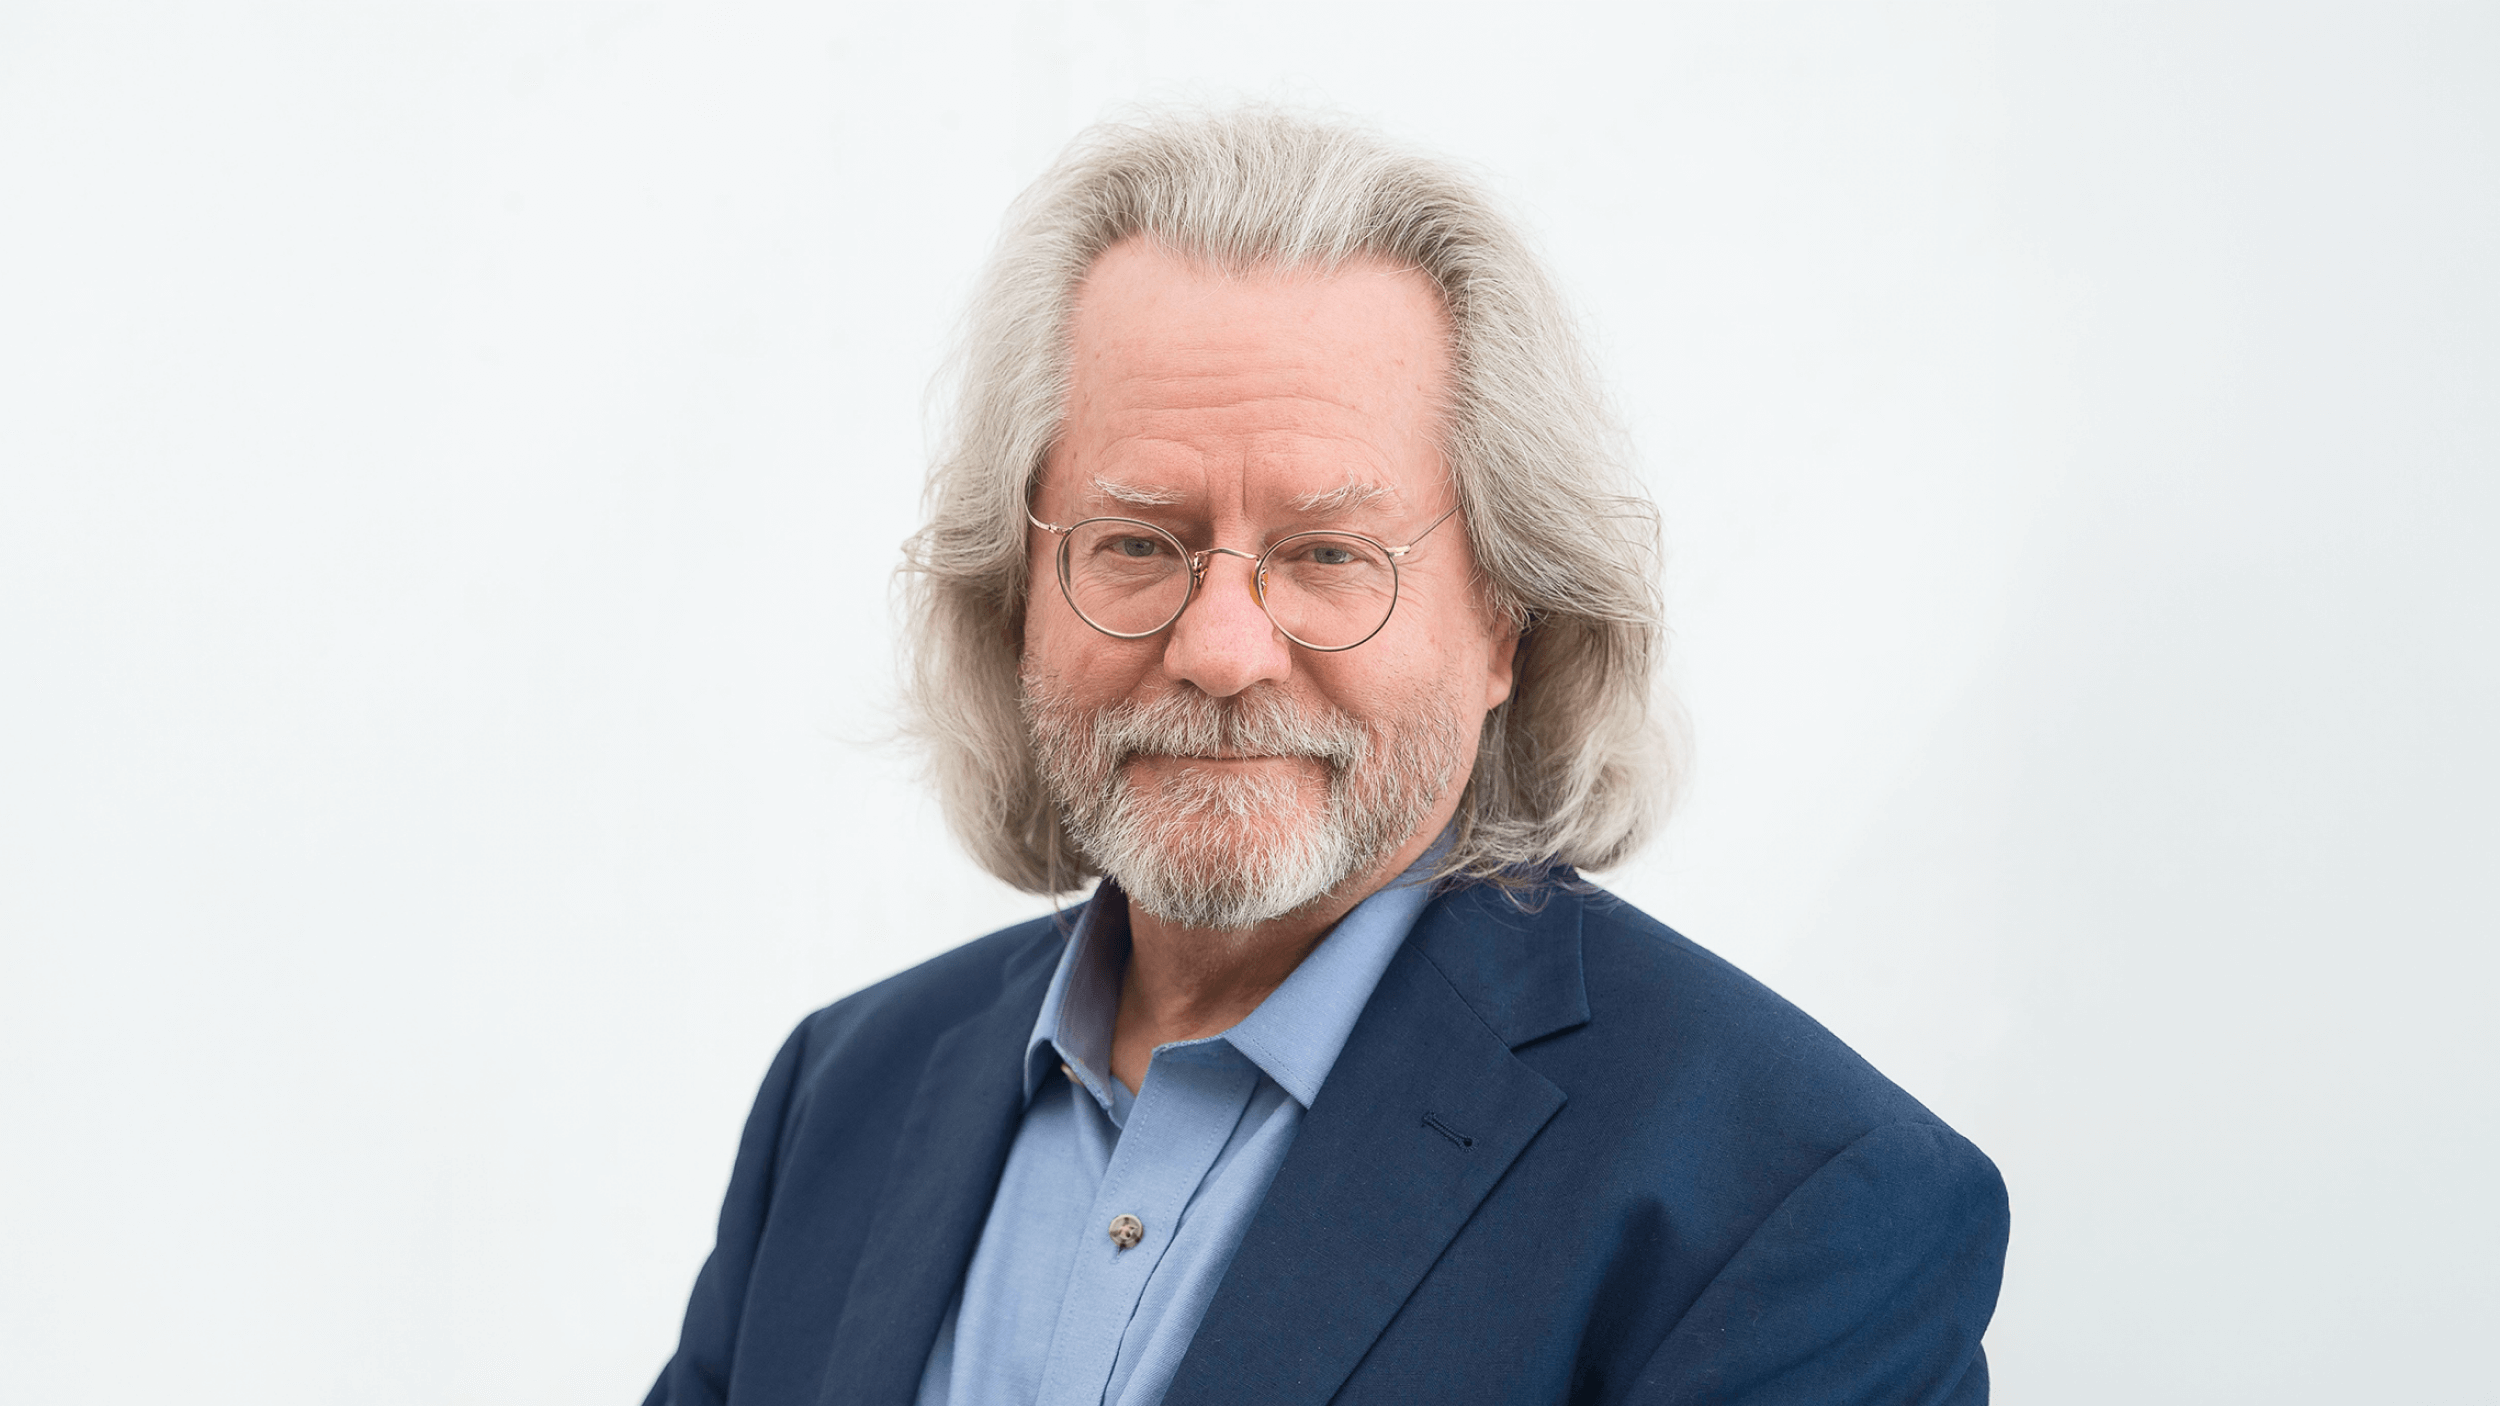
[
  {"x": 1406, "y": 692},
  {"x": 1047, "y": 619},
  {"x": 1450, "y": 651},
  {"x": 1077, "y": 661},
  {"x": 1432, "y": 680}
]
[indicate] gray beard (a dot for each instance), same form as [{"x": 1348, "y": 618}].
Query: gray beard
[{"x": 1226, "y": 852}]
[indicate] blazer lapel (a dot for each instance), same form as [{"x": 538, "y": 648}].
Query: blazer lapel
[
  {"x": 947, "y": 1160},
  {"x": 1425, "y": 1110}
]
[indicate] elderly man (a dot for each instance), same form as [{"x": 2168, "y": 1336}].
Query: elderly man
[{"x": 1279, "y": 575}]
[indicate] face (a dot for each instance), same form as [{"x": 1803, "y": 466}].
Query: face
[{"x": 1225, "y": 774}]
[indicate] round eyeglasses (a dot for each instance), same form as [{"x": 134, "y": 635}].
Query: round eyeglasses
[{"x": 1327, "y": 591}]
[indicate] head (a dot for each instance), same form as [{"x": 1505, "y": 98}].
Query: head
[{"x": 1237, "y": 329}]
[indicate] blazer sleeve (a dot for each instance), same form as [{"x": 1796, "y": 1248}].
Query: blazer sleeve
[
  {"x": 1871, "y": 1283},
  {"x": 706, "y": 1347}
]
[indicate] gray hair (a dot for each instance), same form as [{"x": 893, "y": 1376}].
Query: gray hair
[{"x": 1577, "y": 766}]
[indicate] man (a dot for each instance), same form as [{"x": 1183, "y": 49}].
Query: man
[{"x": 1279, "y": 574}]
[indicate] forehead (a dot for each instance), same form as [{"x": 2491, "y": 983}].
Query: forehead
[{"x": 1252, "y": 387}]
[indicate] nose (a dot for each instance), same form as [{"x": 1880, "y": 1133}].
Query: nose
[{"x": 1224, "y": 642}]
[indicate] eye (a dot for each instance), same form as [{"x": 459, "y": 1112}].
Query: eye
[
  {"x": 1135, "y": 548},
  {"x": 1331, "y": 554}
]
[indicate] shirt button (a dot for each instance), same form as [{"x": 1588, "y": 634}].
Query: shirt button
[{"x": 1127, "y": 1231}]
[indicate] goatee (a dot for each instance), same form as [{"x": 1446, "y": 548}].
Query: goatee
[{"x": 1226, "y": 848}]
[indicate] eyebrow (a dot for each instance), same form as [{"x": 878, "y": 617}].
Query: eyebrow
[
  {"x": 1136, "y": 496},
  {"x": 1345, "y": 497}
]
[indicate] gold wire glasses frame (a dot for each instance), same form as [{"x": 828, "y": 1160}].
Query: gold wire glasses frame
[{"x": 1131, "y": 579}]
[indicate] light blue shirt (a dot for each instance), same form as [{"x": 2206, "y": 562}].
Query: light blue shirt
[{"x": 1053, "y": 1312}]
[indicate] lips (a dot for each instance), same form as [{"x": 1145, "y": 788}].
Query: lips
[
  {"x": 1226, "y": 757},
  {"x": 1263, "y": 725}
]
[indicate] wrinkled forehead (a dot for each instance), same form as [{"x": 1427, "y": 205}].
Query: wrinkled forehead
[{"x": 1301, "y": 391}]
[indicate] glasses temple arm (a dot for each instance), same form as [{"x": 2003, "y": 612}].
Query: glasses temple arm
[{"x": 1420, "y": 536}]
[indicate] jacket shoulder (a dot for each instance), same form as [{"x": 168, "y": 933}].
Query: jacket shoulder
[
  {"x": 1684, "y": 1019},
  {"x": 884, "y": 1030}
]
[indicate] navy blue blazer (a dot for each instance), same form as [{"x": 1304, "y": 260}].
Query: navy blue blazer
[{"x": 1566, "y": 1155}]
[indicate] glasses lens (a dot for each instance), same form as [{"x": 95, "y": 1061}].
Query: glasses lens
[
  {"x": 1124, "y": 577},
  {"x": 1328, "y": 590}
]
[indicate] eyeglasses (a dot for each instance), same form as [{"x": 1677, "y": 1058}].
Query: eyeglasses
[{"x": 1327, "y": 591}]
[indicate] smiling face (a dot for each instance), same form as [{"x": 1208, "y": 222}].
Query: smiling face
[{"x": 1223, "y": 773}]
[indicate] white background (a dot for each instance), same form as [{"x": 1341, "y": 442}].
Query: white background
[{"x": 452, "y": 460}]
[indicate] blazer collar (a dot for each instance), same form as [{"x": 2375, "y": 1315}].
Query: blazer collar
[
  {"x": 1515, "y": 963},
  {"x": 947, "y": 1159},
  {"x": 1425, "y": 1111}
]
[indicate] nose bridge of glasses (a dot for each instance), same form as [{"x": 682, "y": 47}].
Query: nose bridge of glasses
[{"x": 1198, "y": 560}]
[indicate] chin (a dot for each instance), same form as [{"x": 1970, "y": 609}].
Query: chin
[
  {"x": 1228, "y": 891},
  {"x": 1225, "y": 849}
]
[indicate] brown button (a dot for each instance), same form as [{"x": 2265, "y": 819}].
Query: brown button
[
  {"x": 1064, "y": 1069},
  {"x": 1127, "y": 1231}
]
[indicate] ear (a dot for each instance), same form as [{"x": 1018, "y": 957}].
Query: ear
[{"x": 1501, "y": 665}]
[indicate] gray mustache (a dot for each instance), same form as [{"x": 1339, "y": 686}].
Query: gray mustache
[{"x": 1260, "y": 725}]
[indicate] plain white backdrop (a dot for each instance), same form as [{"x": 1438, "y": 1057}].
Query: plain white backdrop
[{"x": 452, "y": 461}]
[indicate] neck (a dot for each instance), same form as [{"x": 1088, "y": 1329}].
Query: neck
[{"x": 1188, "y": 983}]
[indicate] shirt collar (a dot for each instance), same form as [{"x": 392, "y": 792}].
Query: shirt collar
[
  {"x": 1073, "y": 1031},
  {"x": 1295, "y": 1034}
]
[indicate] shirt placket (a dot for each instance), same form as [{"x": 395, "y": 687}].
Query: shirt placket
[{"x": 1185, "y": 1112}]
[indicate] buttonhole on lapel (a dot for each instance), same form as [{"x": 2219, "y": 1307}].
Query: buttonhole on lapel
[{"x": 1447, "y": 1131}]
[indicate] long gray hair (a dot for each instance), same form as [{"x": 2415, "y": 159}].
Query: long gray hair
[{"x": 1576, "y": 767}]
